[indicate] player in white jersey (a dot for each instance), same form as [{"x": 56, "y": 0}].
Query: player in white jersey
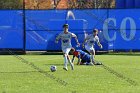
[
  {"x": 90, "y": 41},
  {"x": 65, "y": 37}
]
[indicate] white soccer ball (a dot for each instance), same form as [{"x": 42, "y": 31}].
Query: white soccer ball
[{"x": 53, "y": 68}]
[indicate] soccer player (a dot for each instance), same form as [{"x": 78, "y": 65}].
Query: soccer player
[
  {"x": 65, "y": 37},
  {"x": 90, "y": 41},
  {"x": 83, "y": 57}
]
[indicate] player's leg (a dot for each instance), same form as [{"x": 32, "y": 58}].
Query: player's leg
[
  {"x": 87, "y": 48},
  {"x": 65, "y": 62},
  {"x": 92, "y": 52},
  {"x": 90, "y": 49},
  {"x": 71, "y": 64},
  {"x": 68, "y": 57},
  {"x": 65, "y": 58}
]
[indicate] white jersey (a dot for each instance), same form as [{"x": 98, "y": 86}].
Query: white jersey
[
  {"x": 65, "y": 38},
  {"x": 91, "y": 40}
]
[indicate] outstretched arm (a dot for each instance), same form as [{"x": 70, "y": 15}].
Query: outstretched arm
[
  {"x": 83, "y": 45},
  {"x": 98, "y": 43},
  {"x": 76, "y": 39},
  {"x": 57, "y": 38}
]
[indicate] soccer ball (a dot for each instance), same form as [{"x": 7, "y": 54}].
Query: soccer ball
[{"x": 53, "y": 68}]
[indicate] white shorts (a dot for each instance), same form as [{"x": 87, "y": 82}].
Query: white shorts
[
  {"x": 66, "y": 49},
  {"x": 89, "y": 48}
]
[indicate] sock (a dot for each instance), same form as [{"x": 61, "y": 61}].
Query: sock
[
  {"x": 92, "y": 58},
  {"x": 65, "y": 61},
  {"x": 70, "y": 62}
]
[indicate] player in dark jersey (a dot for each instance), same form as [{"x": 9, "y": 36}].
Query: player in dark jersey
[{"x": 83, "y": 57}]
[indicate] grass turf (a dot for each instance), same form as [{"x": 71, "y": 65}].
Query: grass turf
[{"x": 19, "y": 77}]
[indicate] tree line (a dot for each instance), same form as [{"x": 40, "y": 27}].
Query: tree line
[
  {"x": 11, "y": 4},
  {"x": 51, "y": 4}
]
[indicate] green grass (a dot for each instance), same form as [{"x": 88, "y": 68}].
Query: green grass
[{"x": 18, "y": 77}]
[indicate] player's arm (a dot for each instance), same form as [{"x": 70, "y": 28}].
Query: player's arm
[
  {"x": 76, "y": 39},
  {"x": 98, "y": 43},
  {"x": 83, "y": 45},
  {"x": 57, "y": 38},
  {"x": 85, "y": 40}
]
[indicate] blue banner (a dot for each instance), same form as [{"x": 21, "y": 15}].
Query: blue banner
[
  {"x": 11, "y": 29},
  {"x": 118, "y": 28}
]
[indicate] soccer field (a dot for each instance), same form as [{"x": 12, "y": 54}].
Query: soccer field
[{"x": 33, "y": 75}]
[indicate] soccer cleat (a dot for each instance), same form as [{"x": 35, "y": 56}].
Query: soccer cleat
[
  {"x": 91, "y": 63},
  {"x": 65, "y": 68},
  {"x": 98, "y": 63}
]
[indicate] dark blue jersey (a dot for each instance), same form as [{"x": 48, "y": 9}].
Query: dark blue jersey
[{"x": 82, "y": 55}]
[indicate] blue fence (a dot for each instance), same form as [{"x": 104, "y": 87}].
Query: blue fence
[{"x": 119, "y": 28}]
